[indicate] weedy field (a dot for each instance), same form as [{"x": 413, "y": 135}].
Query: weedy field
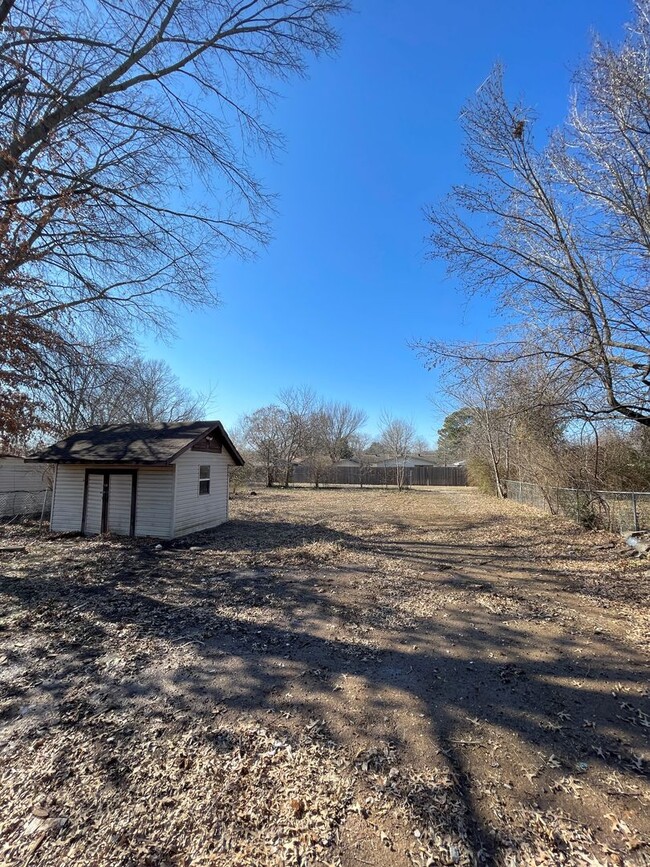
[{"x": 335, "y": 677}]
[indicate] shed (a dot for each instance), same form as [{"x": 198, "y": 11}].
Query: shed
[
  {"x": 24, "y": 488},
  {"x": 162, "y": 480}
]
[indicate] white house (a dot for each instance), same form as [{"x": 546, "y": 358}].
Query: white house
[
  {"x": 24, "y": 488},
  {"x": 162, "y": 480}
]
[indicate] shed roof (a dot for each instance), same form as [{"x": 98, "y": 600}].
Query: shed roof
[{"x": 159, "y": 443}]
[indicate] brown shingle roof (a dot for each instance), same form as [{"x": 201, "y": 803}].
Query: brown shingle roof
[{"x": 134, "y": 443}]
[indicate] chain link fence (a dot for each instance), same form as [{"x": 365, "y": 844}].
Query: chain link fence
[
  {"x": 618, "y": 511},
  {"x": 25, "y": 504}
]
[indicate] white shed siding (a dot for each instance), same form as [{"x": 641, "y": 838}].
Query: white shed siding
[
  {"x": 194, "y": 511},
  {"x": 94, "y": 495},
  {"x": 119, "y": 504},
  {"x": 153, "y": 510},
  {"x": 168, "y": 502},
  {"x": 154, "y": 502},
  {"x": 67, "y": 506}
]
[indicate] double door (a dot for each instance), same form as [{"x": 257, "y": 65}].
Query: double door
[{"x": 109, "y": 502}]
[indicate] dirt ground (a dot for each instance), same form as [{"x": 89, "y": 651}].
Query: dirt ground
[{"x": 334, "y": 677}]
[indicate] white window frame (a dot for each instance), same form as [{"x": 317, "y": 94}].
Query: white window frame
[{"x": 203, "y": 478}]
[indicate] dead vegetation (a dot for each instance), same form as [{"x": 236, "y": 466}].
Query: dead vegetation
[{"x": 334, "y": 677}]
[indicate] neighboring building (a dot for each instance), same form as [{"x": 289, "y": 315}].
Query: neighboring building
[
  {"x": 162, "y": 480},
  {"x": 407, "y": 461},
  {"x": 325, "y": 461},
  {"x": 24, "y": 489}
]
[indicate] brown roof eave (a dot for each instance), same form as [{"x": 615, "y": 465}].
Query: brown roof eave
[{"x": 104, "y": 461}]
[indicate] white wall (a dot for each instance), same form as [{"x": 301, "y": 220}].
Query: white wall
[
  {"x": 21, "y": 486},
  {"x": 154, "y": 502},
  {"x": 67, "y": 504},
  {"x": 194, "y": 511},
  {"x": 154, "y": 499},
  {"x": 16, "y": 475}
]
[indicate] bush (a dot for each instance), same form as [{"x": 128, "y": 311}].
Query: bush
[{"x": 481, "y": 475}]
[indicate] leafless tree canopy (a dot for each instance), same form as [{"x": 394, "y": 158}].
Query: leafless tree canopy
[
  {"x": 100, "y": 383},
  {"x": 126, "y": 131},
  {"x": 561, "y": 234},
  {"x": 340, "y": 423},
  {"x": 509, "y": 427},
  {"x": 522, "y": 427},
  {"x": 397, "y": 438},
  {"x": 109, "y": 113},
  {"x": 301, "y": 426}
]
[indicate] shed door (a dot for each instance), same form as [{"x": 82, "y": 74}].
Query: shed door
[
  {"x": 93, "y": 505},
  {"x": 109, "y": 503},
  {"x": 119, "y": 504}
]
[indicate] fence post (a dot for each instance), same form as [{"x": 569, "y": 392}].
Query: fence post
[
  {"x": 635, "y": 513},
  {"x": 40, "y": 523}
]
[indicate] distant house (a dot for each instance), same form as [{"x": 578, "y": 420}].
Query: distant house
[
  {"x": 162, "y": 480},
  {"x": 407, "y": 461},
  {"x": 24, "y": 488}
]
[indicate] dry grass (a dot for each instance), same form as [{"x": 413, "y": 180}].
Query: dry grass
[{"x": 334, "y": 677}]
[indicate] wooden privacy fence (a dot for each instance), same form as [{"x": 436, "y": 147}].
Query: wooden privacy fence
[{"x": 454, "y": 476}]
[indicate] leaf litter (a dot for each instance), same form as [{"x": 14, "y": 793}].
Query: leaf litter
[{"x": 136, "y": 731}]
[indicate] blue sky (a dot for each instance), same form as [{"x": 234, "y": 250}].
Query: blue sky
[{"x": 372, "y": 137}]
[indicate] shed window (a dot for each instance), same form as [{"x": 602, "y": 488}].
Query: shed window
[{"x": 204, "y": 479}]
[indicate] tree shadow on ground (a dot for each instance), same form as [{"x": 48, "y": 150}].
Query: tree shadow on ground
[{"x": 107, "y": 624}]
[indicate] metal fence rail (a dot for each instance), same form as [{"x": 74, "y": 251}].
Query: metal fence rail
[
  {"x": 24, "y": 503},
  {"x": 618, "y": 511}
]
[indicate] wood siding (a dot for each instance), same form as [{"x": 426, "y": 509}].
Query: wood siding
[{"x": 194, "y": 511}]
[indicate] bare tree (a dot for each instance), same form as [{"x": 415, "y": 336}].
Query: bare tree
[
  {"x": 511, "y": 427},
  {"x": 298, "y": 406},
  {"x": 263, "y": 433},
  {"x": 420, "y": 445},
  {"x": 561, "y": 234},
  {"x": 360, "y": 443},
  {"x": 125, "y": 138},
  {"x": 397, "y": 437},
  {"x": 340, "y": 423},
  {"x": 314, "y": 444},
  {"x": 492, "y": 424},
  {"x": 99, "y": 384},
  {"x": 147, "y": 390},
  {"x": 73, "y": 383}
]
